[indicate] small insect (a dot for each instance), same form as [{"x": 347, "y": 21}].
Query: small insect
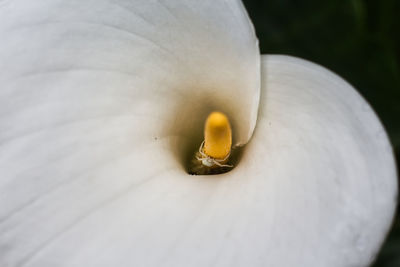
[{"x": 209, "y": 161}]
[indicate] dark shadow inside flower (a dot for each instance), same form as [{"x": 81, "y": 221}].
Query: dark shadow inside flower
[
  {"x": 195, "y": 167},
  {"x": 187, "y": 130}
]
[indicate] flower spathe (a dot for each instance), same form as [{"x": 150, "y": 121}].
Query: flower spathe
[{"x": 98, "y": 100}]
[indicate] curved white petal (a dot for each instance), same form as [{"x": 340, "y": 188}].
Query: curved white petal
[
  {"x": 322, "y": 183},
  {"x": 89, "y": 177},
  {"x": 315, "y": 187},
  {"x": 101, "y": 98},
  {"x": 169, "y": 60}
]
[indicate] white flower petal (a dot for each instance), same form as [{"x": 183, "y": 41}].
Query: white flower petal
[
  {"x": 172, "y": 60},
  {"x": 99, "y": 100},
  {"x": 315, "y": 187},
  {"x": 89, "y": 178},
  {"x": 322, "y": 185}
]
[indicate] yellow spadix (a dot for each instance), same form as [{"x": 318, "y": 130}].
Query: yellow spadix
[{"x": 217, "y": 136}]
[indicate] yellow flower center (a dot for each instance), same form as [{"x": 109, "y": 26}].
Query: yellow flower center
[{"x": 217, "y": 136}]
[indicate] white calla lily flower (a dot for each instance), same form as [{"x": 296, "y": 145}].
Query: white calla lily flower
[{"x": 102, "y": 104}]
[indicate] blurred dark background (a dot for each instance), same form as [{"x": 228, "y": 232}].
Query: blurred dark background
[{"x": 360, "y": 41}]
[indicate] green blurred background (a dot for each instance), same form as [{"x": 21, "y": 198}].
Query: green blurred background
[{"x": 360, "y": 41}]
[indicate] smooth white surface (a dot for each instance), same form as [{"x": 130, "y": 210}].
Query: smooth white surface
[
  {"x": 88, "y": 177},
  {"x": 323, "y": 173},
  {"x": 188, "y": 57}
]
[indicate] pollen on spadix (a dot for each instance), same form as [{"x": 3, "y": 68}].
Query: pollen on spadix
[{"x": 217, "y": 136}]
